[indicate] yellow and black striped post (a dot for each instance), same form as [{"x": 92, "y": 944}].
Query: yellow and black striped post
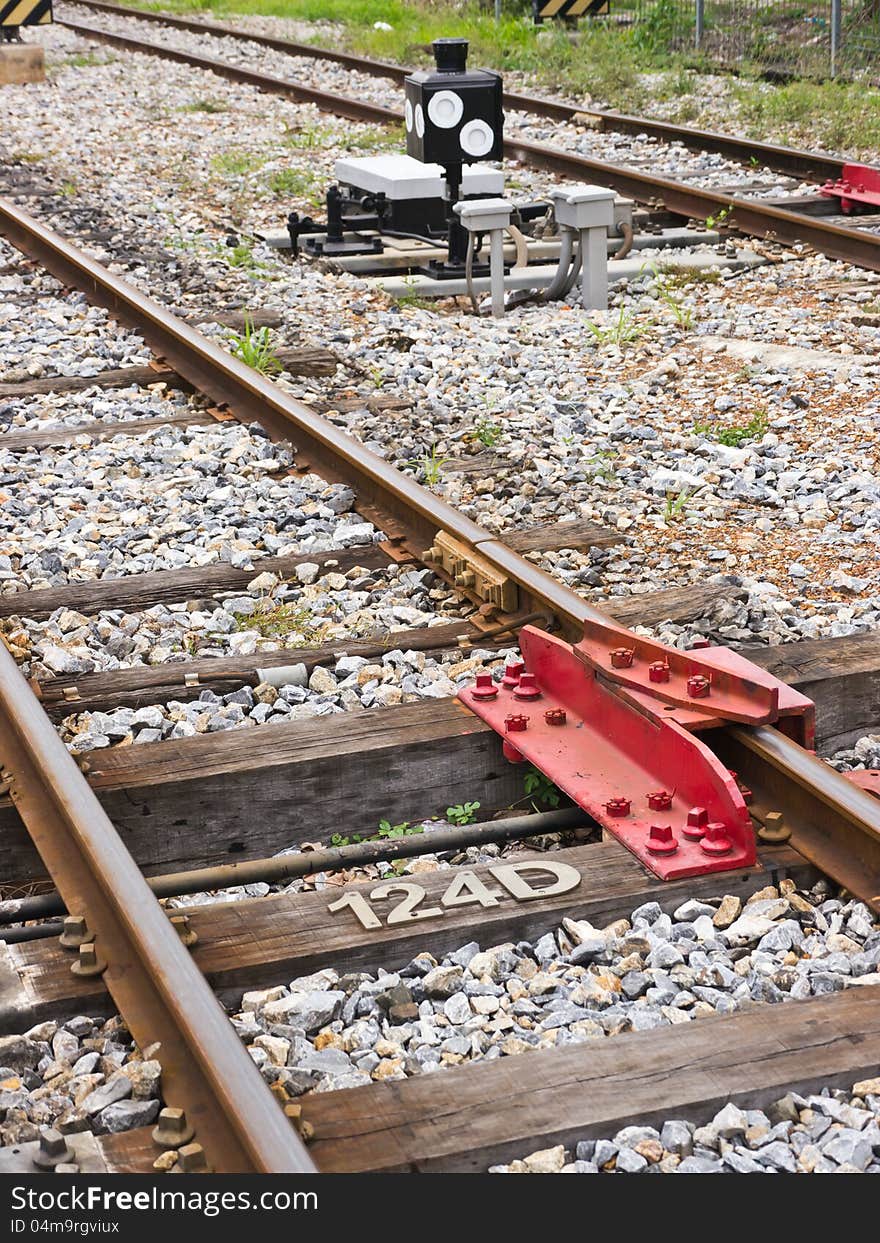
[
  {"x": 571, "y": 9},
  {"x": 15, "y": 13}
]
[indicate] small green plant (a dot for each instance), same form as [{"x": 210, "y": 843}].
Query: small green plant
[
  {"x": 431, "y": 465},
  {"x": 540, "y": 789},
  {"x": 203, "y": 105},
  {"x": 619, "y": 331},
  {"x": 411, "y": 296},
  {"x": 237, "y": 162},
  {"x": 675, "y": 508},
  {"x": 487, "y": 432},
  {"x": 85, "y": 60},
  {"x": 68, "y": 189},
  {"x": 26, "y": 157},
  {"x": 254, "y": 347},
  {"x": 293, "y": 182},
  {"x": 721, "y": 219},
  {"x": 281, "y": 621},
  {"x": 735, "y": 437},
  {"x": 462, "y": 813},
  {"x": 404, "y": 829},
  {"x": 601, "y": 463},
  {"x": 239, "y": 256}
]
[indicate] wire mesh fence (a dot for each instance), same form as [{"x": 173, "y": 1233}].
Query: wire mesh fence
[{"x": 804, "y": 37}]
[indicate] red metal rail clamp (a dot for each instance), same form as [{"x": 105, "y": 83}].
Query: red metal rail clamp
[{"x": 613, "y": 724}]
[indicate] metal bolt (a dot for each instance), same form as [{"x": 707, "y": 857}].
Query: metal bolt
[
  {"x": 432, "y": 554},
  {"x": 512, "y": 674},
  {"x": 658, "y": 671},
  {"x": 659, "y": 800},
  {"x": 619, "y": 806},
  {"x": 715, "y": 840},
  {"x": 745, "y": 792},
  {"x": 697, "y": 819},
  {"x": 172, "y": 1129},
  {"x": 54, "y": 1150},
  {"x": 187, "y": 934},
  {"x": 485, "y": 688},
  {"x": 661, "y": 840},
  {"x": 528, "y": 688},
  {"x": 467, "y": 579},
  {"x": 774, "y": 829},
  {"x": 88, "y": 963},
  {"x": 516, "y": 723},
  {"x": 622, "y": 657},
  {"x": 76, "y": 932},
  {"x": 698, "y": 686},
  {"x": 191, "y": 1159},
  {"x": 555, "y": 716}
]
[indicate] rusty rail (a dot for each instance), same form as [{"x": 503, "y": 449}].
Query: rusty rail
[
  {"x": 808, "y": 788},
  {"x": 808, "y": 165},
  {"x": 747, "y": 216},
  {"x": 205, "y": 1068}
]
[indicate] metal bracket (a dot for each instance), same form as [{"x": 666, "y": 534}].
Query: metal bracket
[
  {"x": 611, "y": 721},
  {"x": 468, "y": 569},
  {"x": 858, "y": 184}
]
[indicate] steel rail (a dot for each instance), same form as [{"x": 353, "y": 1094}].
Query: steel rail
[
  {"x": 224, "y": 378},
  {"x": 748, "y": 216},
  {"x": 162, "y": 995},
  {"x": 807, "y": 165},
  {"x": 216, "y": 372}
]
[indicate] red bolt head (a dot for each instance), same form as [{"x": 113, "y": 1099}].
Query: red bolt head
[
  {"x": 659, "y": 800},
  {"x": 715, "y": 840},
  {"x": 619, "y": 806},
  {"x": 661, "y": 841},
  {"x": 527, "y": 688},
  {"x": 697, "y": 819},
  {"x": 485, "y": 688},
  {"x": 658, "y": 671},
  {"x": 515, "y": 723},
  {"x": 512, "y": 674},
  {"x": 622, "y": 657},
  {"x": 698, "y": 686},
  {"x": 555, "y": 716}
]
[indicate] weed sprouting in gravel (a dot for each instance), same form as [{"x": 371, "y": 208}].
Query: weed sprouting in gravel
[
  {"x": 237, "y": 162},
  {"x": 254, "y": 347},
  {"x": 736, "y": 436},
  {"x": 204, "y": 105},
  {"x": 430, "y": 465},
  {"x": 462, "y": 813},
  {"x": 620, "y": 331},
  {"x": 487, "y": 432}
]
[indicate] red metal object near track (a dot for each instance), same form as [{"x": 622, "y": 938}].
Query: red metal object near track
[
  {"x": 858, "y": 185},
  {"x": 623, "y": 746}
]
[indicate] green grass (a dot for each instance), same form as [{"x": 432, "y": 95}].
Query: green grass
[
  {"x": 293, "y": 183},
  {"x": 735, "y": 437},
  {"x": 237, "y": 162},
  {"x": 254, "y": 347},
  {"x": 203, "y": 105},
  {"x": 605, "y": 63}
]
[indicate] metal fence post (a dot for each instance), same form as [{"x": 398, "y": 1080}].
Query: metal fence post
[
  {"x": 835, "y": 34},
  {"x": 498, "y": 10},
  {"x": 698, "y": 26}
]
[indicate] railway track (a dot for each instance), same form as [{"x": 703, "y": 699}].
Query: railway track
[
  {"x": 744, "y": 214},
  {"x": 105, "y": 829}
]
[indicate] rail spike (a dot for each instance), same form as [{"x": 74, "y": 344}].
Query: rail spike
[{"x": 625, "y": 735}]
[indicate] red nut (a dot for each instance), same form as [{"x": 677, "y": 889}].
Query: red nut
[
  {"x": 515, "y": 723},
  {"x": 697, "y": 819},
  {"x": 485, "y": 688},
  {"x": 658, "y": 671},
  {"x": 661, "y": 840},
  {"x": 715, "y": 840},
  {"x": 622, "y": 657},
  {"x": 527, "y": 687},
  {"x": 619, "y": 806},
  {"x": 555, "y": 716},
  {"x": 512, "y": 674},
  {"x": 659, "y": 800},
  {"x": 698, "y": 686}
]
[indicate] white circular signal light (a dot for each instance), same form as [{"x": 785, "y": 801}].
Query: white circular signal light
[
  {"x": 477, "y": 139},
  {"x": 445, "y": 109},
  {"x": 420, "y": 121},
  {"x": 408, "y": 115}
]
